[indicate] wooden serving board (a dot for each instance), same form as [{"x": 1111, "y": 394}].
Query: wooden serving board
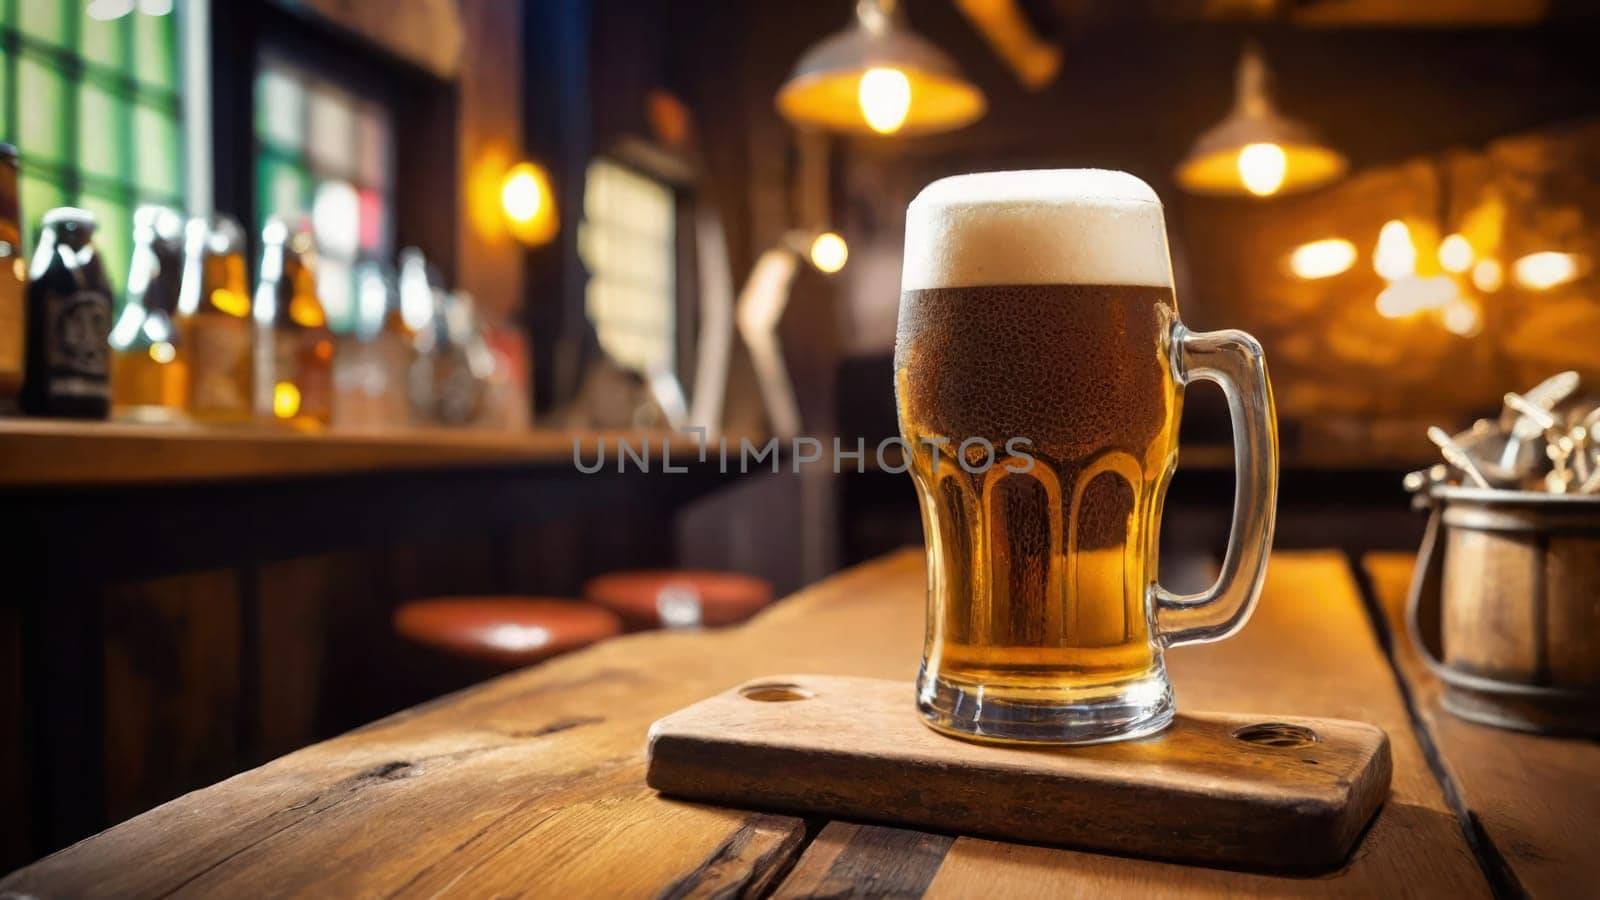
[{"x": 1215, "y": 789}]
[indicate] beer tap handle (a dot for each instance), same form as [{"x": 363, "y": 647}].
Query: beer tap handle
[{"x": 1234, "y": 361}]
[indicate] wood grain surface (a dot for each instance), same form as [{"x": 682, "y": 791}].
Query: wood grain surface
[
  {"x": 1536, "y": 799},
  {"x": 36, "y": 452},
  {"x": 534, "y": 783},
  {"x": 1235, "y": 790}
]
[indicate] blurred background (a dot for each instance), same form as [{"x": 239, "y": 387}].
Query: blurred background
[{"x": 589, "y": 218}]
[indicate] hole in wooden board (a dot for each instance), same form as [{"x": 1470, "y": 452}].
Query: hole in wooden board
[
  {"x": 1276, "y": 734},
  {"x": 775, "y": 693}
]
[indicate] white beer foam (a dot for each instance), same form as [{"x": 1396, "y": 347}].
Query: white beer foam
[{"x": 1045, "y": 226}]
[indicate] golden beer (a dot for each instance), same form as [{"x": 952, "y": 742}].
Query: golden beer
[{"x": 1042, "y": 415}]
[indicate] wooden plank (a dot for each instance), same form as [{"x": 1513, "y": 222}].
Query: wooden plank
[
  {"x": 1536, "y": 799},
  {"x": 849, "y": 860},
  {"x": 1309, "y": 650},
  {"x": 172, "y": 687},
  {"x": 36, "y": 452},
  {"x": 1224, "y": 789},
  {"x": 534, "y": 782}
]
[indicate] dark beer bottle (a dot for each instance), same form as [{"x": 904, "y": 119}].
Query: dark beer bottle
[
  {"x": 69, "y": 318},
  {"x": 13, "y": 283}
]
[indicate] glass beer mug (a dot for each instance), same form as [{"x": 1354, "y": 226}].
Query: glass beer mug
[{"x": 1040, "y": 367}]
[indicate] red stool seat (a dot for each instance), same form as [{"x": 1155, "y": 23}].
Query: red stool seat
[
  {"x": 504, "y": 632},
  {"x": 679, "y": 599}
]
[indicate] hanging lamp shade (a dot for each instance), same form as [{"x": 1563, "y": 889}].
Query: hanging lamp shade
[
  {"x": 1255, "y": 151},
  {"x": 877, "y": 77}
]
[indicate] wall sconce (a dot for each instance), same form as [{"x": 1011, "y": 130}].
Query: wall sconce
[
  {"x": 877, "y": 77},
  {"x": 529, "y": 204},
  {"x": 1255, "y": 151}
]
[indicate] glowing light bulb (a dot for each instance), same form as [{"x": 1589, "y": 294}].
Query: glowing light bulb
[
  {"x": 1322, "y": 259},
  {"x": 1455, "y": 254},
  {"x": 829, "y": 252},
  {"x": 1488, "y": 275},
  {"x": 285, "y": 400},
  {"x": 1545, "y": 270},
  {"x": 1262, "y": 167},
  {"x": 1395, "y": 257},
  {"x": 885, "y": 98}
]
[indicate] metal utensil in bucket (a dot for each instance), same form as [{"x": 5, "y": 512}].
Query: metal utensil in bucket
[{"x": 1505, "y": 607}]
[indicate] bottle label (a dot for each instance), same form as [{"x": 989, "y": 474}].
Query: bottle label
[
  {"x": 76, "y": 349},
  {"x": 219, "y": 350},
  {"x": 303, "y": 360}
]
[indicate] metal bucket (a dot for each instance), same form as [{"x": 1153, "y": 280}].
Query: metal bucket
[{"x": 1505, "y": 607}]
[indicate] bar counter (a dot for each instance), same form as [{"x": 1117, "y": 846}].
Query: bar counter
[
  {"x": 65, "y": 452},
  {"x": 534, "y": 783}
]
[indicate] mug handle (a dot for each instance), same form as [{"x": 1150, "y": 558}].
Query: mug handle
[{"x": 1233, "y": 360}]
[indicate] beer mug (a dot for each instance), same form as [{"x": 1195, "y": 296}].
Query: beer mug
[{"x": 1039, "y": 374}]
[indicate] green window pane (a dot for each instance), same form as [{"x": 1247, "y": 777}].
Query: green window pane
[
  {"x": 155, "y": 51},
  {"x": 47, "y": 20},
  {"x": 42, "y": 96},
  {"x": 103, "y": 43},
  {"x": 155, "y": 137},
  {"x": 282, "y": 188},
  {"x": 5, "y": 96},
  {"x": 112, "y": 237},
  {"x": 102, "y": 144},
  {"x": 37, "y": 196},
  {"x": 280, "y": 109}
]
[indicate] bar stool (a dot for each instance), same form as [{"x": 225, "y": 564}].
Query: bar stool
[
  {"x": 503, "y": 633},
  {"x": 679, "y": 598}
]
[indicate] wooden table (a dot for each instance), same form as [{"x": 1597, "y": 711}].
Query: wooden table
[{"x": 533, "y": 783}]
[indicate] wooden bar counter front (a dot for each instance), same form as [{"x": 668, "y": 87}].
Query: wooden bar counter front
[{"x": 534, "y": 784}]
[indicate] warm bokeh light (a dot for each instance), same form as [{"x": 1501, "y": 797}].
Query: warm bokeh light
[
  {"x": 307, "y": 312},
  {"x": 231, "y": 302},
  {"x": 1455, "y": 254},
  {"x": 1322, "y": 259},
  {"x": 1262, "y": 168},
  {"x": 336, "y": 218},
  {"x": 1411, "y": 295},
  {"x": 1461, "y": 318},
  {"x": 1395, "y": 257},
  {"x": 829, "y": 252},
  {"x": 1546, "y": 269},
  {"x": 163, "y": 352},
  {"x": 885, "y": 98},
  {"x": 1488, "y": 275},
  {"x": 529, "y": 204},
  {"x": 285, "y": 400}
]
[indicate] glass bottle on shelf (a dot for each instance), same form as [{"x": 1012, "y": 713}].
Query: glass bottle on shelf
[
  {"x": 13, "y": 283},
  {"x": 68, "y": 370},
  {"x": 214, "y": 332},
  {"x": 454, "y": 363},
  {"x": 294, "y": 348},
  {"x": 149, "y": 382},
  {"x": 370, "y": 378}
]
